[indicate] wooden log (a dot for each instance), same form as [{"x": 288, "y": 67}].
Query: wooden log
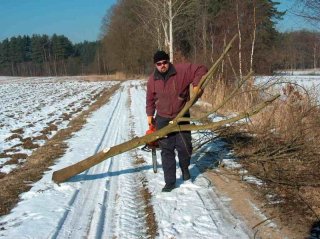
[{"x": 72, "y": 170}]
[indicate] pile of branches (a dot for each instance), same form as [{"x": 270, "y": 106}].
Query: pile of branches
[{"x": 280, "y": 146}]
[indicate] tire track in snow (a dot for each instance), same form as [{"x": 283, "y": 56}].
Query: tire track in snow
[
  {"x": 72, "y": 201},
  {"x": 130, "y": 218},
  {"x": 118, "y": 211},
  {"x": 78, "y": 207},
  {"x": 138, "y": 128}
]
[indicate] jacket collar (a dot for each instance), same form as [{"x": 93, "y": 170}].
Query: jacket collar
[{"x": 171, "y": 71}]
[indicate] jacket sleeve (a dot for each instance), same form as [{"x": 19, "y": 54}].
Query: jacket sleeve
[
  {"x": 150, "y": 99},
  {"x": 196, "y": 73}
]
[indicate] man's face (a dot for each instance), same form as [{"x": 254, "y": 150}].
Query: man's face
[{"x": 162, "y": 66}]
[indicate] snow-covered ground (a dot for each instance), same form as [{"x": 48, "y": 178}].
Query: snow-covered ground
[
  {"x": 304, "y": 72},
  {"x": 33, "y": 109},
  {"x": 307, "y": 81},
  {"x": 304, "y": 83},
  {"x": 105, "y": 201}
]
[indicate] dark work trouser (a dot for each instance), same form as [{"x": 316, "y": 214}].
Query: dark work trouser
[{"x": 181, "y": 141}]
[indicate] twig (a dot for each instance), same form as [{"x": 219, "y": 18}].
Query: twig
[{"x": 269, "y": 218}]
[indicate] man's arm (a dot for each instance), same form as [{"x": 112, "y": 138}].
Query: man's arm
[
  {"x": 196, "y": 73},
  {"x": 150, "y": 102}
]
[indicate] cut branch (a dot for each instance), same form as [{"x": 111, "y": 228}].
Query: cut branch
[{"x": 72, "y": 170}]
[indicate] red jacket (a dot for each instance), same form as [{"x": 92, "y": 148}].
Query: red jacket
[{"x": 168, "y": 96}]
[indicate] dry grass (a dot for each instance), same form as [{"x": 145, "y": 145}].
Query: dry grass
[
  {"x": 280, "y": 147},
  {"x": 217, "y": 93},
  {"x": 14, "y": 136},
  {"x": 19, "y": 180},
  {"x": 118, "y": 76},
  {"x": 152, "y": 226}
]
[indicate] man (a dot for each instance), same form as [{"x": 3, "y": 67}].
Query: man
[{"x": 167, "y": 93}]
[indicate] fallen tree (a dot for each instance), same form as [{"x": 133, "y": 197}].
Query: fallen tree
[{"x": 72, "y": 170}]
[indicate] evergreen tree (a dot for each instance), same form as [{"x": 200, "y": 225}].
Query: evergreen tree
[
  {"x": 38, "y": 44},
  {"x": 4, "y": 52},
  {"x": 61, "y": 47}
]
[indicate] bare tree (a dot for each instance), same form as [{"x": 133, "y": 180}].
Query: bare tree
[
  {"x": 254, "y": 30},
  {"x": 308, "y": 9},
  {"x": 240, "y": 41},
  {"x": 159, "y": 17}
]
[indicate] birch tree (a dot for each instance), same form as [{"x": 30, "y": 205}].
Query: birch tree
[
  {"x": 159, "y": 18},
  {"x": 254, "y": 30}
]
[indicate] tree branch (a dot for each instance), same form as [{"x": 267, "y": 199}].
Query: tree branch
[{"x": 66, "y": 173}]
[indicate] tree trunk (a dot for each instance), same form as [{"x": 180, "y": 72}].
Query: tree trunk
[
  {"x": 239, "y": 46},
  {"x": 170, "y": 30},
  {"x": 253, "y": 37}
]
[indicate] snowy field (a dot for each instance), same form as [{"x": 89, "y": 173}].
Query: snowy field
[
  {"x": 105, "y": 201},
  {"x": 309, "y": 83},
  {"x": 34, "y": 109},
  {"x": 305, "y": 72}
]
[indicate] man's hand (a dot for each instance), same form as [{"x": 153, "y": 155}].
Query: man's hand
[
  {"x": 197, "y": 90},
  {"x": 150, "y": 120}
]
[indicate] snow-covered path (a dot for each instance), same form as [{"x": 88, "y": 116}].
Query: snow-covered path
[{"x": 105, "y": 201}]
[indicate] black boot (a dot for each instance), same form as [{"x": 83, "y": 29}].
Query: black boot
[
  {"x": 168, "y": 187},
  {"x": 185, "y": 174}
]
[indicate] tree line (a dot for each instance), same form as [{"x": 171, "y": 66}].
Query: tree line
[
  {"x": 197, "y": 31},
  {"x": 190, "y": 30},
  {"x": 41, "y": 55}
]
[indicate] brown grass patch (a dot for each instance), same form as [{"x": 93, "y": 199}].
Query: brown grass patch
[
  {"x": 18, "y": 156},
  {"x": 66, "y": 116},
  {"x": 19, "y": 180},
  {"x": 217, "y": 93},
  {"x": 12, "y": 161},
  {"x": 4, "y": 155},
  {"x": 152, "y": 226},
  {"x": 28, "y": 144},
  {"x": 118, "y": 76},
  {"x": 280, "y": 147},
  {"x": 17, "y": 131},
  {"x": 49, "y": 129},
  {"x": 151, "y": 223},
  {"x": 10, "y": 150},
  {"x": 139, "y": 161},
  {"x": 14, "y": 136},
  {"x": 40, "y": 137}
]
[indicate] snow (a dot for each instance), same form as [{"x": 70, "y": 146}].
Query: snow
[
  {"x": 310, "y": 83},
  {"x": 315, "y": 71},
  {"x": 30, "y": 105},
  {"x": 104, "y": 201}
]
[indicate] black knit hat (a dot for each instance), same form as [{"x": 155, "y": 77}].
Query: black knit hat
[{"x": 159, "y": 56}]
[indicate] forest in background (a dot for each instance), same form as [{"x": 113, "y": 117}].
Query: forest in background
[
  {"x": 41, "y": 55},
  {"x": 194, "y": 30}
]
